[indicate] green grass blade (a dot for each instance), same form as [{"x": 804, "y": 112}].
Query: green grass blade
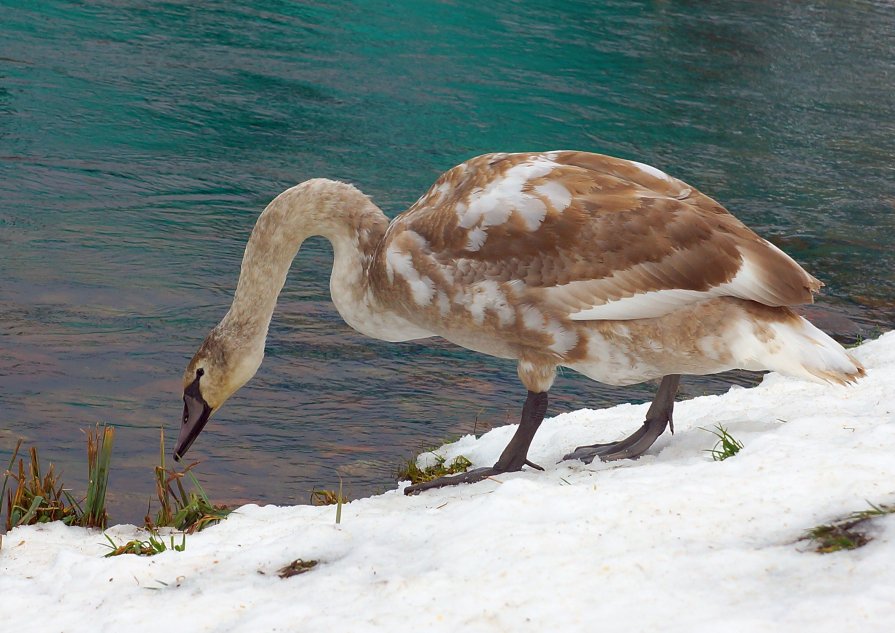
[
  {"x": 161, "y": 455},
  {"x": 35, "y": 504},
  {"x": 99, "y": 457},
  {"x": 8, "y": 471},
  {"x": 726, "y": 446},
  {"x": 198, "y": 487},
  {"x": 339, "y": 504}
]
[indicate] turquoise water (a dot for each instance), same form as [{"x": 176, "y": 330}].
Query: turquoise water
[{"x": 139, "y": 141}]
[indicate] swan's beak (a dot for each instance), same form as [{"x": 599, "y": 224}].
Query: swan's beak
[{"x": 195, "y": 416}]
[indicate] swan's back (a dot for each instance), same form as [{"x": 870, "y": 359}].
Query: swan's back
[{"x": 587, "y": 236}]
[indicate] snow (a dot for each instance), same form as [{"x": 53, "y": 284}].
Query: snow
[{"x": 671, "y": 542}]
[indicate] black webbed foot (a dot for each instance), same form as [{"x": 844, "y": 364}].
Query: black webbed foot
[
  {"x": 657, "y": 419},
  {"x": 469, "y": 477},
  {"x": 514, "y": 456},
  {"x": 631, "y": 447}
]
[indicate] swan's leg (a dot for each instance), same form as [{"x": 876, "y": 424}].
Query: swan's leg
[
  {"x": 635, "y": 445},
  {"x": 514, "y": 456}
]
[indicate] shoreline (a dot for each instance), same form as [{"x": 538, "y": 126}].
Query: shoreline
[{"x": 673, "y": 539}]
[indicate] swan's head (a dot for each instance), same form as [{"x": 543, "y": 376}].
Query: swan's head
[{"x": 223, "y": 364}]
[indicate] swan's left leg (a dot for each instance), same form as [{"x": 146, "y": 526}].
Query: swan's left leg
[
  {"x": 635, "y": 445},
  {"x": 514, "y": 456}
]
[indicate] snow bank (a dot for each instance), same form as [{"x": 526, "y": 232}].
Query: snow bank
[{"x": 671, "y": 542}]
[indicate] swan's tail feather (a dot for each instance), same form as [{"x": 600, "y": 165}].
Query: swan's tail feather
[
  {"x": 791, "y": 345},
  {"x": 824, "y": 358}
]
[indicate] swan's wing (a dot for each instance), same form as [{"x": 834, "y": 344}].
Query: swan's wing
[{"x": 590, "y": 236}]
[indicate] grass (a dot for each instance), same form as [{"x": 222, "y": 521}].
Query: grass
[
  {"x": 413, "y": 473},
  {"x": 99, "y": 457},
  {"x": 8, "y": 472},
  {"x": 37, "y": 497},
  {"x": 155, "y": 544},
  {"x": 860, "y": 339},
  {"x": 726, "y": 446},
  {"x": 330, "y": 498},
  {"x": 186, "y": 510},
  {"x": 41, "y": 498},
  {"x": 846, "y": 533}
]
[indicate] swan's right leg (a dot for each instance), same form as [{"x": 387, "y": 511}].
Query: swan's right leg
[{"x": 657, "y": 419}]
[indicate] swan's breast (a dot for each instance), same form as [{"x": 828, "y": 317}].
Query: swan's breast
[{"x": 354, "y": 293}]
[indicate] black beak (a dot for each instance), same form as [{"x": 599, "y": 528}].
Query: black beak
[{"x": 195, "y": 416}]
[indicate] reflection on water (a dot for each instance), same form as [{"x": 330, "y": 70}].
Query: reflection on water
[{"x": 138, "y": 144}]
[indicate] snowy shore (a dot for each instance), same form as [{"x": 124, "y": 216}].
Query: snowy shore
[{"x": 671, "y": 542}]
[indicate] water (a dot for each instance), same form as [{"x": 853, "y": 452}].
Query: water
[{"x": 139, "y": 142}]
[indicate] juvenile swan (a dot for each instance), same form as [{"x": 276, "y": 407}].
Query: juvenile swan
[{"x": 602, "y": 265}]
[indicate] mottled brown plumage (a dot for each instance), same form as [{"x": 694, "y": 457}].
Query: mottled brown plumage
[{"x": 619, "y": 218}]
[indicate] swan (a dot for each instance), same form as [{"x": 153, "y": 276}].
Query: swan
[{"x": 606, "y": 266}]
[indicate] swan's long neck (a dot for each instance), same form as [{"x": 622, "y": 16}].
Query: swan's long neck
[{"x": 334, "y": 210}]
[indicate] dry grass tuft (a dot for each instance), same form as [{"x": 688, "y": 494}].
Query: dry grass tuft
[
  {"x": 36, "y": 497},
  {"x": 848, "y": 532},
  {"x": 297, "y": 567},
  {"x": 186, "y": 510},
  {"x": 414, "y": 474}
]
